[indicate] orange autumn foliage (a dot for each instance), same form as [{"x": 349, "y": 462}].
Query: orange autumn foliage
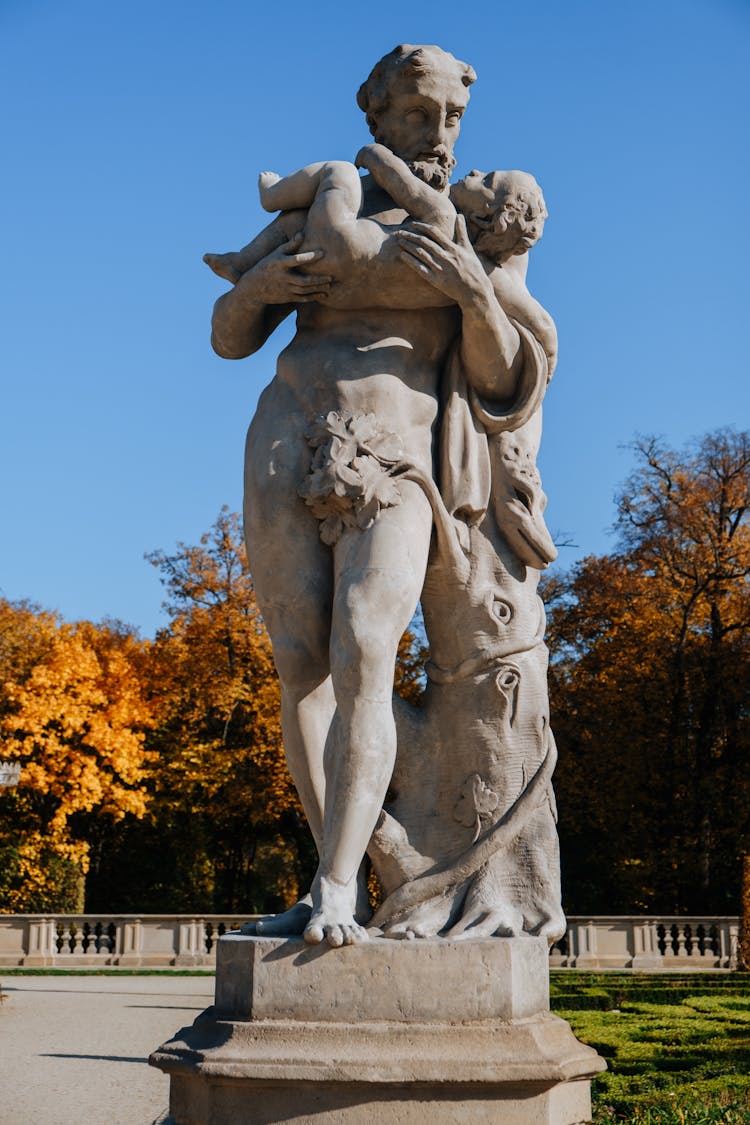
[
  {"x": 220, "y": 781},
  {"x": 649, "y": 683},
  {"x": 74, "y": 716}
]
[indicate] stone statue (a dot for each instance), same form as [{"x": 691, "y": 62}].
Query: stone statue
[{"x": 392, "y": 458}]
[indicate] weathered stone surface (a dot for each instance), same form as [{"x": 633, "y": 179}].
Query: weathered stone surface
[
  {"x": 457, "y": 1031},
  {"x": 439, "y": 980},
  {"x": 526, "y": 1071},
  {"x": 228, "y": 1103},
  {"x": 408, "y": 401}
]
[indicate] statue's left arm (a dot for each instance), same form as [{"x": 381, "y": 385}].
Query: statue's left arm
[{"x": 491, "y": 350}]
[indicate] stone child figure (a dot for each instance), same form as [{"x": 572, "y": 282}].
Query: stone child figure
[
  {"x": 505, "y": 210},
  {"x": 340, "y": 499}
]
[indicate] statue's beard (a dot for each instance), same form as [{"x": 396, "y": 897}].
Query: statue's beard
[{"x": 436, "y": 173}]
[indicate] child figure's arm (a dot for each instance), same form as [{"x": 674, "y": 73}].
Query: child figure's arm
[{"x": 423, "y": 203}]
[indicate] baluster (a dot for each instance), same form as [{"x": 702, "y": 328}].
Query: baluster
[
  {"x": 723, "y": 945},
  {"x": 680, "y": 936}
]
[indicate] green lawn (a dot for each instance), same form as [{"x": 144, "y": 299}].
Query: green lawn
[{"x": 677, "y": 1047}]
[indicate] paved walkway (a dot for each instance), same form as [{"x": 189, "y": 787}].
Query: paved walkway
[{"x": 73, "y": 1049}]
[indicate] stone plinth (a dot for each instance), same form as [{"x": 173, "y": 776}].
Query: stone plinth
[
  {"x": 393, "y": 1032},
  {"x": 413, "y": 981}
]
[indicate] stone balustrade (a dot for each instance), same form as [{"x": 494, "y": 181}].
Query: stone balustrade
[
  {"x": 125, "y": 940},
  {"x": 638, "y": 942},
  {"x": 184, "y": 940}
]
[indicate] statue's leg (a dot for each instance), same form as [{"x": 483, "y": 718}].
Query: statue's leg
[
  {"x": 379, "y": 575},
  {"x": 338, "y": 199},
  {"x": 293, "y": 578},
  {"x": 287, "y": 193}
]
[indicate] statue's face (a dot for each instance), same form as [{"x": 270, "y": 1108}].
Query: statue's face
[{"x": 421, "y": 123}]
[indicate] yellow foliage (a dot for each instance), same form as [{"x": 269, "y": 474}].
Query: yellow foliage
[{"x": 75, "y": 717}]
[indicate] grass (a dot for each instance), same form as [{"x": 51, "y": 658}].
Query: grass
[{"x": 677, "y": 1047}]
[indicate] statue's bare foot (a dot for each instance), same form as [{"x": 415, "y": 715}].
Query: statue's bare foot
[
  {"x": 483, "y": 920},
  {"x": 332, "y": 917},
  {"x": 553, "y": 926},
  {"x": 267, "y": 180},
  {"x": 289, "y": 924},
  {"x": 423, "y": 921},
  {"x": 224, "y": 266}
]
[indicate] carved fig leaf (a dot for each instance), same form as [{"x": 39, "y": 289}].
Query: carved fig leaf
[
  {"x": 477, "y": 800},
  {"x": 376, "y": 484},
  {"x": 331, "y": 529},
  {"x": 386, "y": 447},
  {"x": 363, "y": 428},
  {"x": 333, "y": 424}
]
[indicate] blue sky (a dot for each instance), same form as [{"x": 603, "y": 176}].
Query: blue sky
[{"x": 132, "y": 136}]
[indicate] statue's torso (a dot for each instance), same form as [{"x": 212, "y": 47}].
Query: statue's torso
[{"x": 369, "y": 357}]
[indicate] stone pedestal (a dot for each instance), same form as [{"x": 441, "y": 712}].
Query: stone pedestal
[{"x": 392, "y": 1032}]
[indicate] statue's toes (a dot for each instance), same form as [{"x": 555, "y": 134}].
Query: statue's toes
[
  {"x": 314, "y": 933},
  {"x": 335, "y": 936},
  {"x": 354, "y": 934}
]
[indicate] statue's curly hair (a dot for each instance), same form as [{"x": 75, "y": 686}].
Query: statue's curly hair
[
  {"x": 402, "y": 62},
  {"x": 519, "y": 189}
]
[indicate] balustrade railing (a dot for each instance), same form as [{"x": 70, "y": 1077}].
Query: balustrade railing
[
  {"x": 127, "y": 940},
  {"x": 183, "y": 940},
  {"x": 625, "y": 942}
]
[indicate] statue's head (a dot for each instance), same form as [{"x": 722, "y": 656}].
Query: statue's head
[
  {"x": 414, "y": 100},
  {"x": 504, "y": 211}
]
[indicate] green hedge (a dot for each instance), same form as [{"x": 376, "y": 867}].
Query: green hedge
[{"x": 677, "y": 1049}]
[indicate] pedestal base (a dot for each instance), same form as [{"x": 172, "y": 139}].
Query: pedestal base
[{"x": 437, "y": 1031}]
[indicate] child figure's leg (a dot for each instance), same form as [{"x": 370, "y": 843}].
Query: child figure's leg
[
  {"x": 232, "y": 266},
  {"x": 306, "y": 187},
  {"x": 423, "y": 203}
]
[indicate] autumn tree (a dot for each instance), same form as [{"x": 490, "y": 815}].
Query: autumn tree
[
  {"x": 225, "y": 830},
  {"x": 72, "y": 713},
  {"x": 649, "y": 679}
]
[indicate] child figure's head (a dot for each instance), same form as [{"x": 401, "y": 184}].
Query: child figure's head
[{"x": 504, "y": 211}]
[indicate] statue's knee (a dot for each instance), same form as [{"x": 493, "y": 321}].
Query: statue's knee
[
  {"x": 363, "y": 666},
  {"x": 301, "y": 667}
]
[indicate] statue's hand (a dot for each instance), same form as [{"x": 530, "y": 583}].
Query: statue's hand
[
  {"x": 277, "y": 280},
  {"x": 452, "y": 267}
]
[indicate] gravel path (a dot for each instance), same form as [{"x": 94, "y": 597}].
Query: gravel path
[{"x": 74, "y": 1049}]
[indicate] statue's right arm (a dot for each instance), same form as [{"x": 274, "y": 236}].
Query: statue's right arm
[{"x": 245, "y": 317}]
